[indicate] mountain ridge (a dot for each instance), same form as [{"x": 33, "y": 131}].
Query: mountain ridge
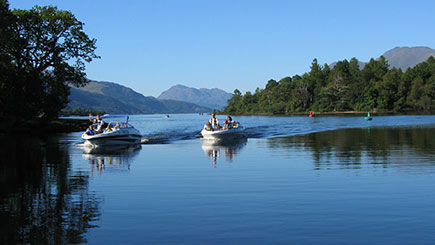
[
  {"x": 115, "y": 98},
  {"x": 214, "y": 98},
  {"x": 403, "y": 57},
  {"x": 407, "y": 57}
]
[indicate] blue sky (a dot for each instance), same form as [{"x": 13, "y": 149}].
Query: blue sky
[{"x": 153, "y": 45}]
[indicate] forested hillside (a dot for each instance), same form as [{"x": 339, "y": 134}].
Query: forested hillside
[{"x": 345, "y": 87}]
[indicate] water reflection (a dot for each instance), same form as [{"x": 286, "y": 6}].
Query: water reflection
[
  {"x": 354, "y": 148},
  {"x": 42, "y": 200},
  {"x": 113, "y": 158},
  {"x": 230, "y": 149}
]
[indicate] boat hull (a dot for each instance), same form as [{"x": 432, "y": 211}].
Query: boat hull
[
  {"x": 226, "y": 135},
  {"x": 119, "y": 137}
]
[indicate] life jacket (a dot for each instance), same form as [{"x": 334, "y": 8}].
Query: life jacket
[
  {"x": 213, "y": 122},
  {"x": 90, "y": 132}
]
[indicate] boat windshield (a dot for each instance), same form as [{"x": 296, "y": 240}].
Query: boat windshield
[{"x": 107, "y": 116}]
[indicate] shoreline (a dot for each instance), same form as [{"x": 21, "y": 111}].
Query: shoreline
[
  {"x": 332, "y": 113},
  {"x": 40, "y": 127},
  {"x": 68, "y": 125}
]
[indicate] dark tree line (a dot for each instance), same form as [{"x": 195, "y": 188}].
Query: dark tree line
[
  {"x": 42, "y": 51},
  {"x": 344, "y": 87}
]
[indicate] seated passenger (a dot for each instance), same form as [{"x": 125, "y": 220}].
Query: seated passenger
[
  {"x": 108, "y": 129},
  {"x": 117, "y": 126},
  {"x": 207, "y": 126},
  {"x": 90, "y": 130},
  {"x": 231, "y": 123},
  {"x": 226, "y": 125}
]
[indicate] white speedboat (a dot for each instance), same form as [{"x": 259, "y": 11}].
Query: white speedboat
[
  {"x": 115, "y": 133},
  {"x": 223, "y": 134}
]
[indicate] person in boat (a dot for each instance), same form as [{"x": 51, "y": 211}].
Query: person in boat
[
  {"x": 117, "y": 126},
  {"x": 92, "y": 120},
  {"x": 207, "y": 126},
  {"x": 108, "y": 129},
  {"x": 90, "y": 130},
  {"x": 100, "y": 128},
  {"x": 231, "y": 123},
  {"x": 214, "y": 122},
  {"x": 100, "y": 124},
  {"x": 226, "y": 125},
  {"x": 99, "y": 120}
]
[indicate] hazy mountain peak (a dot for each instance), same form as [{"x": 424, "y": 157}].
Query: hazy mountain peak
[
  {"x": 213, "y": 98},
  {"x": 405, "y": 57}
]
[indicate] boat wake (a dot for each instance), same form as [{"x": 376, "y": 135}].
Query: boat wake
[
  {"x": 290, "y": 126},
  {"x": 169, "y": 137},
  {"x": 269, "y": 131}
]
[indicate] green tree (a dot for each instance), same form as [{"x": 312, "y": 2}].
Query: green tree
[
  {"x": 355, "y": 95},
  {"x": 234, "y": 103},
  {"x": 388, "y": 90},
  {"x": 345, "y": 87},
  {"x": 7, "y": 72},
  {"x": 47, "y": 52},
  {"x": 416, "y": 93}
]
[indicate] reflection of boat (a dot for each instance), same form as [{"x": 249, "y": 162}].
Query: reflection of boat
[
  {"x": 213, "y": 148},
  {"x": 119, "y": 133},
  {"x": 112, "y": 157},
  {"x": 110, "y": 149},
  {"x": 224, "y": 134}
]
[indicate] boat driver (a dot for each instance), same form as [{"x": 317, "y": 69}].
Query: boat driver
[
  {"x": 100, "y": 124},
  {"x": 214, "y": 121}
]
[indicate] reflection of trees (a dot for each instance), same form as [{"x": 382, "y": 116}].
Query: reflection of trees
[
  {"x": 42, "y": 199},
  {"x": 354, "y": 147},
  {"x": 213, "y": 149}
]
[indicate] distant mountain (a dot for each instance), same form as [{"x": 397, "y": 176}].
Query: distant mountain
[
  {"x": 403, "y": 57},
  {"x": 114, "y": 98},
  {"x": 213, "y": 98}
]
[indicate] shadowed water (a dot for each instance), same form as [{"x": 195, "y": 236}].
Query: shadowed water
[{"x": 294, "y": 180}]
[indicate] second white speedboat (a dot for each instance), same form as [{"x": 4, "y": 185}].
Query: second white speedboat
[
  {"x": 223, "y": 134},
  {"x": 116, "y": 133}
]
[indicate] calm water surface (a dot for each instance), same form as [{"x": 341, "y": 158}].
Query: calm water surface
[{"x": 295, "y": 180}]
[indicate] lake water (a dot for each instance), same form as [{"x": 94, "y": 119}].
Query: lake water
[{"x": 328, "y": 179}]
